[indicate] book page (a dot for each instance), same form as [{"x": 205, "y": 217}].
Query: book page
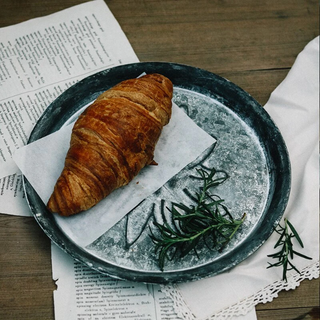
[
  {"x": 84, "y": 294},
  {"x": 39, "y": 60}
]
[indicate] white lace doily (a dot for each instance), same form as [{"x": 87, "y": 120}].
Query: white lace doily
[{"x": 265, "y": 295}]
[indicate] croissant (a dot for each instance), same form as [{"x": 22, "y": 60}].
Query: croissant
[{"x": 112, "y": 140}]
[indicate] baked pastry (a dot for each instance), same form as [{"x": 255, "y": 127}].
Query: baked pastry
[{"x": 112, "y": 140}]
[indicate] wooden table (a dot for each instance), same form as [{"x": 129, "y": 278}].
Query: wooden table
[{"x": 252, "y": 43}]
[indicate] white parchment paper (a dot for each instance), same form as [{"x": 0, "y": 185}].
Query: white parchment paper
[{"x": 181, "y": 142}]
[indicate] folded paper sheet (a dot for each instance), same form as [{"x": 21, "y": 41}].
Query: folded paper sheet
[
  {"x": 294, "y": 107},
  {"x": 181, "y": 142}
]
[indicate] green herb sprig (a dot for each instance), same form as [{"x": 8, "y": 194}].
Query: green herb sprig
[
  {"x": 286, "y": 253},
  {"x": 208, "y": 221}
]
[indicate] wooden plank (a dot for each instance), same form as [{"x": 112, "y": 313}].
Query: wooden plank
[
  {"x": 254, "y": 81},
  {"x": 290, "y": 314},
  {"x": 13, "y": 12},
  {"x": 25, "y": 270},
  {"x": 219, "y": 38},
  {"x": 306, "y": 295}
]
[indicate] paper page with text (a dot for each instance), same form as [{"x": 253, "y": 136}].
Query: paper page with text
[
  {"x": 39, "y": 60},
  {"x": 85, "y": 294}
]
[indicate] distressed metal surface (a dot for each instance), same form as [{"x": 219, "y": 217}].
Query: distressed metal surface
[{"x": 249, "y": 148}]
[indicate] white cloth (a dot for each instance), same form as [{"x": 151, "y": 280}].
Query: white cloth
[{"x": 294, "y": 107}]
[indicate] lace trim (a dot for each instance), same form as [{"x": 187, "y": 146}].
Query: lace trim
[{"x": 265, "y": 295}]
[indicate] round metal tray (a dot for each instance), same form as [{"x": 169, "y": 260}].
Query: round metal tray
[{"x": 249, "y": 147}]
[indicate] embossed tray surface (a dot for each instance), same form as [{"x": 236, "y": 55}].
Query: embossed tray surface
[{"x": 249, "y": 148}]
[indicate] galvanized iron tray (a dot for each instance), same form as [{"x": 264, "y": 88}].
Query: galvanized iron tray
[{"x": 249, "y": 148}]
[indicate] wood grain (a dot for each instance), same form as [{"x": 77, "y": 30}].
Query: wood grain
[
  {"x": 252, "y": 43},
  {"x": 25, "y": 270}
]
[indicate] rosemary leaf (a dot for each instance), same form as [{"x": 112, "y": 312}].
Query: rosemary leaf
[
  {"x": 301, "y": 255},
  {"x": 295, "y": 233},
  {"x": 279, "y": 242},
  {"x": 207, "y": 221},
  {"x": 287, "y": 233}
]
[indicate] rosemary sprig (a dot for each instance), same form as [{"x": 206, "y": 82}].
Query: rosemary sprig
[
  {"x": 286, "y": 253},
  {"x": 208, "y": 221}
]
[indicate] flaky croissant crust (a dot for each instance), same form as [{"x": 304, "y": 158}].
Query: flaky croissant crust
[{"x": 112, "y": 140}]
